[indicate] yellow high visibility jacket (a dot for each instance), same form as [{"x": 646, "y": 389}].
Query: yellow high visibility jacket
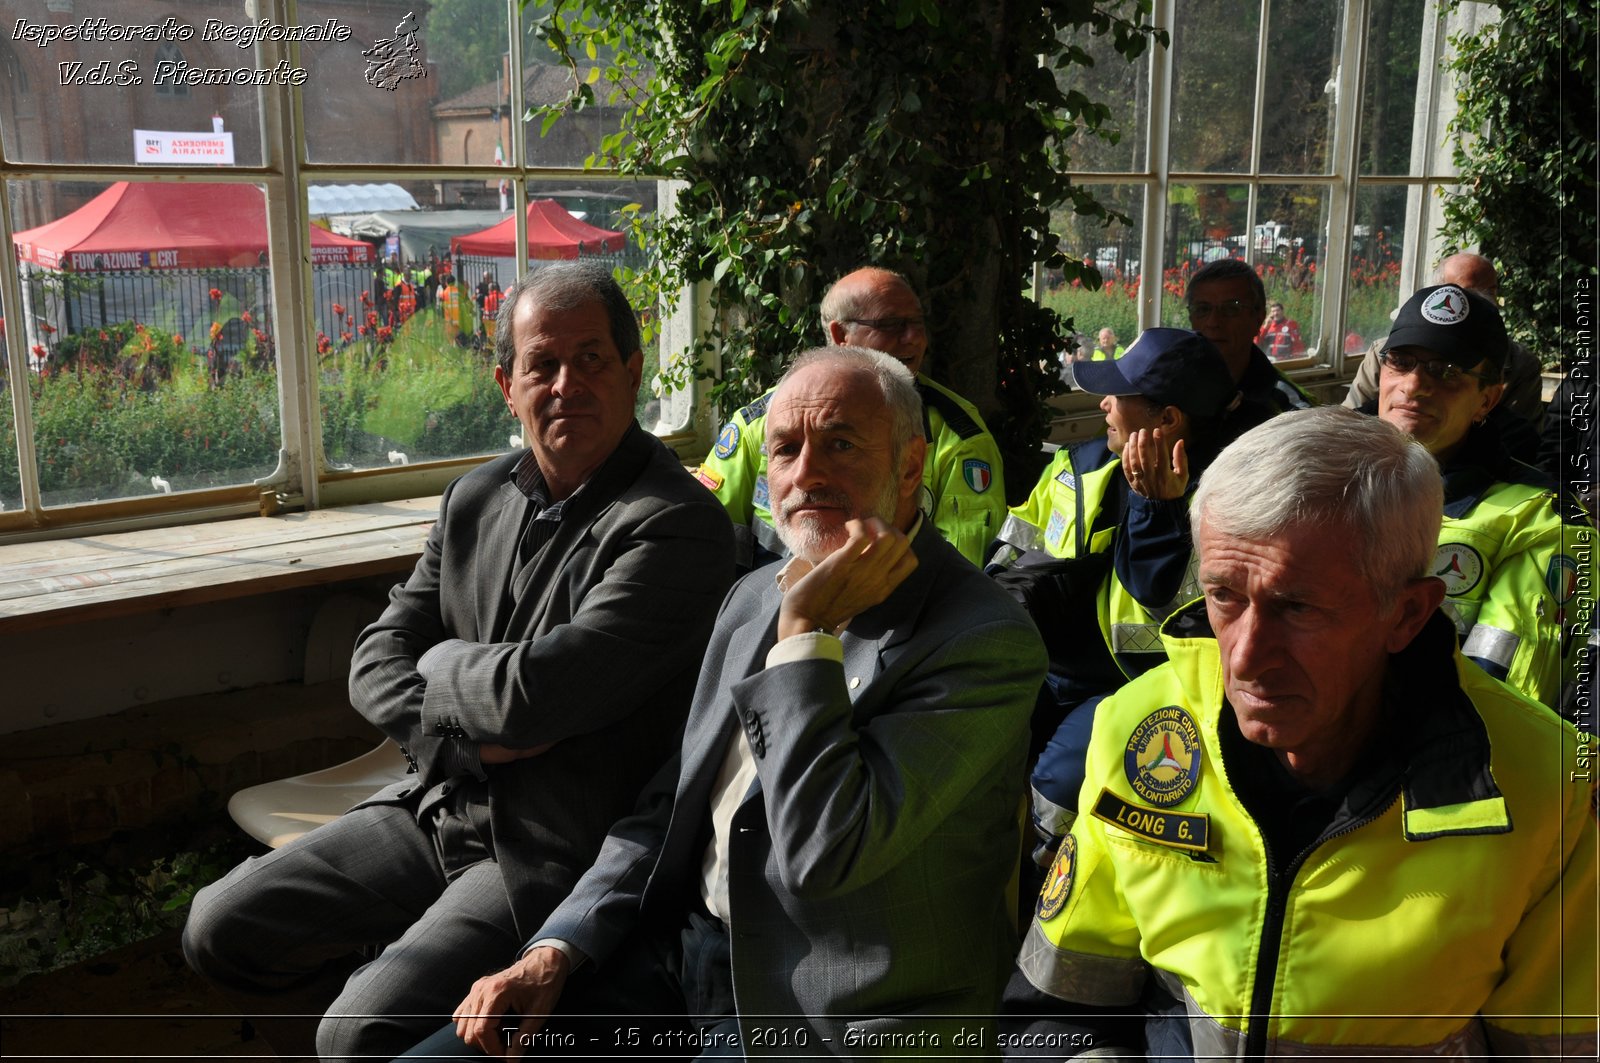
[{"x": 1448, "y": 907}]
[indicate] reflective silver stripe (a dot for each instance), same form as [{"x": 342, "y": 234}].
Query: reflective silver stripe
[
  {"x": 1079, "y": 977},
  {"x": 1051, "y": 816},
  {"x": 767, "y": 536},
  {"x": 1491, "y": 644},
  {"x": 1212, "y": 1040},
  {"x": 1020, "y": 533},
  {"x": 1136, "y": 638},
  {"x": 1005, "y": 555},
  {"x": 1188, "y": 592},
  {"x": 1463, "y": 611},
  {"x": 1553, "y": 1045}
]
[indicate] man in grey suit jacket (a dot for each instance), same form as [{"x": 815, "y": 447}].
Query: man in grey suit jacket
[
  {"x": 826, "y": 867},
  {"x": 535, "y": 668}
]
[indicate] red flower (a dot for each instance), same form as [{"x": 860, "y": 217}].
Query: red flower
[
  {"x": 245, "y": 317},
  {"x": 39, "y": 351},
  {"x": 372, "y": 317},
  {"x": 344, "y": 336},
  {"x": 338, "y": 310},
  {"x": 385, "y": 333},
  {"x": 177, "y": 339},
  {"x": 216, "y": 330},
  {"x": 46, "y": 326},
  {"x": 261, "y": 337},
  {"x": 366, "y": 297},
  {"x": 362, "y": 329},
  {"x": 216, "y": 293}
]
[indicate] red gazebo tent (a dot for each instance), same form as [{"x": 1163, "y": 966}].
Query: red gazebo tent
[
  {"x": 136, "y": 226},
  {"x": 552, "y": 233}
]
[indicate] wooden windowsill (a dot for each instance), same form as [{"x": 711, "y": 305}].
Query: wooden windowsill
[{"x": 61, "y": 581}]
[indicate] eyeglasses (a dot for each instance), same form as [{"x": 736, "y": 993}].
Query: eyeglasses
[
  {"x": 891, "y": 325},
  {"x": 1441, "y": 370},
  {"x": 1230, "y": 309}
]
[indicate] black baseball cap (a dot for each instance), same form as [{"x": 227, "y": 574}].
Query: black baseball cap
[
  {"x": 1456, "y": 323},
  {"x": 1171, "y": 366}
]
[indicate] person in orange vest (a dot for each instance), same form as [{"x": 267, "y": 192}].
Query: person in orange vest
[
  {"x": 450, "y": 306},
  {"x": 405, "y": 299},
  {"x": 491, "y": 307}
]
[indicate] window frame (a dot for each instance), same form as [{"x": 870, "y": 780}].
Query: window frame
[
  {"x": 303, "y": 477},
  {"x": 1325, "y": 363}
]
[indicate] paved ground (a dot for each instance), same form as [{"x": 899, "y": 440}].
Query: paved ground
[{"x": 140, "y": 1002}]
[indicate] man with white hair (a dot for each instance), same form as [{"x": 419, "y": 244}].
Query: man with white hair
[
  {"x": 963, "y": 486},
  {"x": 1318, "y": 827},
  {"x": 833, "y": 845}
]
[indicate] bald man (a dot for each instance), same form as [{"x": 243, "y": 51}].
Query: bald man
[{"x": 1522, "y": 396}]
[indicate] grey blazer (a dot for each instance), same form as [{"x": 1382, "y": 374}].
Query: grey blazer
[
  {"x": 595, "y": 646},
  {"x": 870, "y": 864}
]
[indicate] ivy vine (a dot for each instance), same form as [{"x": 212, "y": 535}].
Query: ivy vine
[
  {"x": 813, "y": 136},
  {"x": 1525, "y": 148}
]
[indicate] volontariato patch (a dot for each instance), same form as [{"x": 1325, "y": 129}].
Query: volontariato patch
[
  {"x": 710, "y": 477},
  {"x": 1446, "y": 306},
  {"x": 1189, "y": 831},
  {"x": 1162, "y": 757},
  {"x": 1459, "y": 566},
  {"x": 978, "y": 474},
  {"x": 727, "y": 441},
  {"x": 1067, "y": 480},
  {"x": 1058, "y": 884}
]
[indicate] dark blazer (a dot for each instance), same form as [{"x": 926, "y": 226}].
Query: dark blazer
[
  {"x": 596, "y": 649},
  {"x": 869, "y": 866}
]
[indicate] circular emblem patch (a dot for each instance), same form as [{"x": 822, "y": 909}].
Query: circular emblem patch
[
  {"x": 1162, "y": 758},
  {"x": 1058, "y": 884},
  {"x": 727, "y": 440},
  {"x": 1460, "y": 566},
  {"x": 1562, "y": 578},
  {"x": 1446, "y": 306}
]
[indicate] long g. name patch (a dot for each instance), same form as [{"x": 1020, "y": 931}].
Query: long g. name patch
[{"x": 1189, "y": 831}]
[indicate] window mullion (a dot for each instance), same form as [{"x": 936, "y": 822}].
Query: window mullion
[
  {"x": 19, "y": 372},
  {"x": 289, "y": 257},
  {"x": 1349, "y": 93},
  {"x": 1157, "y": 147}
]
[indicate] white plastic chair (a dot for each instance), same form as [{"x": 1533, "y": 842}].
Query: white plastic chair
[{"x": 276, "y": 813}]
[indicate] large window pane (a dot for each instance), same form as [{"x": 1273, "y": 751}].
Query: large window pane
[
  {"x": 1302, "y": 63},
  {"x": 1287, "y": 253},
  {"x": 1373, "y": 288},
  {"x": 1122, "y": 86},
  {"x": 406, "y": 359},
  {"x": 376, "y": 94},
  {"x": 77, "y": 81},
  {"x": 1115, "y": 252},
  {"x": 152, "y": 355},
  {"x": 1214, "y": 84},
  {"x": 1204, "y": 223},
  {"x": 1389, "y": 100}
]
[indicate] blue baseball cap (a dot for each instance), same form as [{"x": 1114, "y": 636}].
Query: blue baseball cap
[{"x": 1171, "y": 366}]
